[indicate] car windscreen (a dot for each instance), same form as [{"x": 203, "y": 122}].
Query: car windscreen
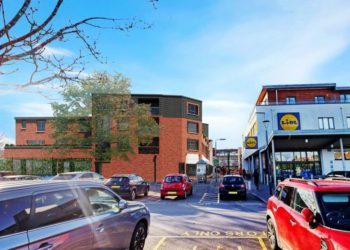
[
  {"x": 336, "y": 209},
  {"x": 173, "y": 179},
  {"x": 118, "y": 180},
  {"x": 64, "y": 177},
  {"x": 233, "y": 180}
]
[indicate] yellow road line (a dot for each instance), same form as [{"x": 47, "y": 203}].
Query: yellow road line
[
  {"x": 262, "y": 244},
  {"x": 239, "y": 248},
  {"x": 194, "y": 248},
  {"x": 159, "y": 243}
]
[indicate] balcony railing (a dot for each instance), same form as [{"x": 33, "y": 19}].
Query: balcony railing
[
  {"x": 148, "y": 149},
  {"x": 302, "y": 102}
]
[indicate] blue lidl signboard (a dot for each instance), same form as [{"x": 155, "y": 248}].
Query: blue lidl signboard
[
  {"x": 251, "y": 142},
  {"x": 288, "y": 121}
]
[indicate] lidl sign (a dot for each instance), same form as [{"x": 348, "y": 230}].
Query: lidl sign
[
  {"x": 288, "y": 121},
  {"x": 251, "y": 142}
]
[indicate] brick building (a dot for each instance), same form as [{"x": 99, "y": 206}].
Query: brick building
[
  {"x": 183, "y": 140},
  {"x": 299, "y": 130}
]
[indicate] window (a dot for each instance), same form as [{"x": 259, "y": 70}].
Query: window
[
  {"x": 192, "y": 144},
  {"x": 290, "y": 100},
  {"x": 348, "y": 121},
  {"x": 123, "y": 124},
  {"x": 192, "y": 109},
  {"x": 287, "y": 194},
  {"x": 23, "y": 124},
  {"x": 278, "y": 191},
  {"x": 345, "y": 98},
  {"x": 102, "y": 201},
  {"x": 35, "y": 142},
  {"x": 303, "y": 199},
  {"x": 192, "y": 127},
  {"x": 40, "y": 126},
  {"x": 14, "y": 215},
  {"x": 326, "y": 123},
  {"x": 319, "y": 99},
  {"x": 86, "y": 176},
  {"x": 56, "y": 207}
]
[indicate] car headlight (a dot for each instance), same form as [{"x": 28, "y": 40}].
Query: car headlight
[{"x": 324, "y": 245}]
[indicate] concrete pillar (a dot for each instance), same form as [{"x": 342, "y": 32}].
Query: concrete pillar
[
  {"x": 342, "y": 152},
  {"x": 274, "y": 163}
]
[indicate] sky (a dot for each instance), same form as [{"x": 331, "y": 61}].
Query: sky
[{"x": 221, "y": 52}]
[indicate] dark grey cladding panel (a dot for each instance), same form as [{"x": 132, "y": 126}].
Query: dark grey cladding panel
[
  {"x": 205, "y": 129},
  {"x": 171, "y": 106}
]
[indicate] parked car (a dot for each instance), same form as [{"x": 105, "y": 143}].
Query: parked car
[
  {"x": 128, "y": 185},
  {"x": 20, "y": 177},
  {"x": 338, "y": 174},
  {"x": 5, "y": 173},
  {"x": 233, "y": 186},
  {"x": 69, "y": 215},
  {"x": 79, "y": 176},
  {"x": 309, "y": 214},
  {"x": 176, "y": 185}
]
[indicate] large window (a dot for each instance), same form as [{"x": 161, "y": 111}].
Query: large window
[
  {"x": 345, "y": 98},
  {"x": 23, "y": 124},
  {"x": 287, "y": 194},
  {"x": 319, "y": 99},
  {"x": 290, "y": 100},
  {"x": 303, "y": 199},
  {"x": 192, "y": 109},
  {"x": 192, "y": 144},
  {"x": 35, "y": 142},
  {"x": 338, "y": 156},
  {"x": 55, "y": 207},
  {"x": 102, "y": 201},
  {"x": 348, "y": 121},
  {"x": 14, "y": 215},
  {"x": 40, "y": 126},
  {"x": 326, "y": 123},
  {"x": 192, "y": 127}
]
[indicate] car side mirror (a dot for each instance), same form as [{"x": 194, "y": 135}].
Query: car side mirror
[
  {"x": 123, "y": 204},
  {"x": 308, "y": 215}
]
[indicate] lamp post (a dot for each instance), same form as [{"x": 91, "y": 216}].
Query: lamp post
[
  {"x": 220, "y": 139},
  {"x": 266, "y": 125}
]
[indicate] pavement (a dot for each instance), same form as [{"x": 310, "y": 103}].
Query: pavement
[{"x": 262, "y": 194}]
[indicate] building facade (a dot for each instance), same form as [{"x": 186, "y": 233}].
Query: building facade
[
  {"x": 228, "y": 158},
  {"x": 298, "y": 131},
  {"x": 183, "y": 140}
]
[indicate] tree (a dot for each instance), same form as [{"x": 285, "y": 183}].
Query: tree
[
  {"x": 26, "y": 35},
  {"x": 2, "y": 141},
  {"x": 98, "y": 114}
]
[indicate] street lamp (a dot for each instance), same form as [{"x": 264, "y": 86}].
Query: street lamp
[{"x": 266, "y": 125}]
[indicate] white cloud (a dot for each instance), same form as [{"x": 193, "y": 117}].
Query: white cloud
[
  {"x": 5, "y": 140},
  {"x": 53, "y": 51},
  {"x": 31, "y": 109}
]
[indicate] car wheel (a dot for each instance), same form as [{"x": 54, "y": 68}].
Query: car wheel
[
  {"x": 244, "y": 197},
  {"x": 146, "y": 192},
  {"x": 191, "y": 192},
  {"x": 271, "y": 235},
  {"x": 138, "y": 237},
  {"x": 132, "y": 195}
]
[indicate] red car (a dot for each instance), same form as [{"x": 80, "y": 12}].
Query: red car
[
  {"x": 310, "y": 214},
  {"x": 176, "y": 185}
]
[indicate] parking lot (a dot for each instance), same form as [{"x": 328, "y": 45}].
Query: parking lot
[{"x": 203, "y": 221}]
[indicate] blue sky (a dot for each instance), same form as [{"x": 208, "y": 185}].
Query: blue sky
[{"x": 220, "y": 52}]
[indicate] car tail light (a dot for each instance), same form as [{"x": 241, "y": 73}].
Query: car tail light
[
  {"x": 243, "y": 186},
  {"x": 222, "y": 185}
]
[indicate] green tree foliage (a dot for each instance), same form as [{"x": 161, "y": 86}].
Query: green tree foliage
[{"x": 98, "y": 114}]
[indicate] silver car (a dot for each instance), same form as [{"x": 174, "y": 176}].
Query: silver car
[
  {"x": 84, "y": 175},
  {"x": 69, "y": 215}
]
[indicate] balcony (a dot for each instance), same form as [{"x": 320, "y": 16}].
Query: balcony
[{"x": 303, "y": 102}]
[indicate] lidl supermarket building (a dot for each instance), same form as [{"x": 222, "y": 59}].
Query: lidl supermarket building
[{"x": 300, "y": 130}]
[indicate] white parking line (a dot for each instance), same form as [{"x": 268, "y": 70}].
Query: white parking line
[{"x": 218, "y": 198}]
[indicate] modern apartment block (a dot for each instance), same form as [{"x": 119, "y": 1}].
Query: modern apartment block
[
  {"x": 183, "y": 141},
  {"x": 300, "y": 130}
]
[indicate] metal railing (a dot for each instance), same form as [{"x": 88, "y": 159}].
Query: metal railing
[{"x": 302, "y": 102}]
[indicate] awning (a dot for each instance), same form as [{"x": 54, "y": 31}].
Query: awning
[{"x": 192, "y": 158}]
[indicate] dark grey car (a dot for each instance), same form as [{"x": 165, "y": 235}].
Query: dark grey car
[
  {"x": 69, "y": 215},
  {"x": 128, "y": 185}
]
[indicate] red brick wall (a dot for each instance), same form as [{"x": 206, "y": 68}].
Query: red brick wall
[
  {"x": 37, "y": 153},
  {"x": 30, "y": 133},
  {"x": 302, "y": 94}
]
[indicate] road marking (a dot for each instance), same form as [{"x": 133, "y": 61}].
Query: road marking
[
  {"x": 207, "y": 237},
  {"x": 239, "y": 248},
  {"x": 219, "y": 247},
  {"x": 218, "y": 198},
  {"x": 159, "y": 243},
  {"x": 194, "y": 248},
  {"x": 262, "y": 244}
]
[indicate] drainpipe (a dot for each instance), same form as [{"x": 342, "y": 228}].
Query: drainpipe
[
  {"x": 342, "y": 152},
  {"x": 342, "y": 116}
]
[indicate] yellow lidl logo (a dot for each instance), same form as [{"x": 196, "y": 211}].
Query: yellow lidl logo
[
  {"x": 251, "y": 142},
  {"x": 288, "y": 121}
]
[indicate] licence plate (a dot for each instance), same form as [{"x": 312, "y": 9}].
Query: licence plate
[
  {"x": 232, "y": 192},
  {"x": 171, "y": 192},
  {"x": 115, "y": 186}
]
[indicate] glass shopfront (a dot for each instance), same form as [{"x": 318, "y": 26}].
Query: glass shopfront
[{"x": 300, "y": 164}]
